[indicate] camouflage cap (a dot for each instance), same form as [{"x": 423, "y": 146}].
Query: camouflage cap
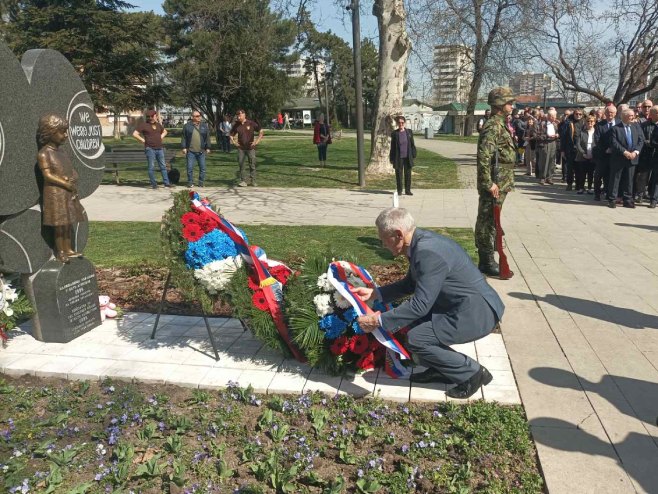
[{"x": 500, "y": 96}]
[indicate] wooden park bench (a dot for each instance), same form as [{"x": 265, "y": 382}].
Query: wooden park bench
[{"x": 134, "y": 157}]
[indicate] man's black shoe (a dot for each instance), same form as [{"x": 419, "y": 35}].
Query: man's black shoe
[
  {"x": 467, "y": 389},
  {"x": 429, "y": 376},
  {"x": 611, "y": 204},
  {"x": 629, "y": 205},
  {"x": 652, "y": 204},
  {"x": 408, "y": 193}
]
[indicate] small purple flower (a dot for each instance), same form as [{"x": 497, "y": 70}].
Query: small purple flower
[
  {"x": 405, "y": 448},
  {"x": 359, "y": 473},
  {"x": 161, "y": 426}
]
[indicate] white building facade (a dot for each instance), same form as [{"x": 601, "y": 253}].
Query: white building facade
[{"x": 452, "y": 74}]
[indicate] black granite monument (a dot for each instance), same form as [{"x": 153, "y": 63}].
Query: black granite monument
[{"x": 64, "y": 295}]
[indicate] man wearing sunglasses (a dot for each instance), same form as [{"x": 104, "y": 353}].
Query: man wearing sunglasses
[{"x": 195, "y": 142}]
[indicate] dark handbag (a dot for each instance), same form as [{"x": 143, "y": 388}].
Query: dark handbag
[
  {"x": 174, "y": 175},
  {"x": 329, "y": 141}
]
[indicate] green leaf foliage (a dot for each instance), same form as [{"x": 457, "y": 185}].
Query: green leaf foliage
[{"x": 116, "y": 52}]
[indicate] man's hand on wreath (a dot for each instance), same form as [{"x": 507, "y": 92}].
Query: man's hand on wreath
[
  {"x": 363, "y": 293},
  {"x": 369, "y": 323}
]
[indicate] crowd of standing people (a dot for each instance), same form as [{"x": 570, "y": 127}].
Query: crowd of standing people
[{"x": 610, "y": 153}]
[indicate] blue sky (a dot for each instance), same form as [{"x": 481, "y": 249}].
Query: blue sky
[{"x": 325, "y": 14}]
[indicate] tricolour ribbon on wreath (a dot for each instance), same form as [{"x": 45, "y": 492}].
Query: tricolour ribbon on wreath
[
  {"x": 395, "y": 352},
  {"x": 272, "y": 289}
]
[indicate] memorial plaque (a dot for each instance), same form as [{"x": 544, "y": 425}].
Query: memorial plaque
[
  {"x": 18, "y": 146},
  {"x": 56, "y": 88},
  {"x": 65, "y": 297},
  {"x": 25, "y": 245}
]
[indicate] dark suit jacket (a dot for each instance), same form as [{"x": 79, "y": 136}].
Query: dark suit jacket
[
  {"x": 602, "y": 139},
  {"x": 618, "y": 145},
  {"x": 649, "y": 154},
  {"x": 394, "y": 155},
  {"x": 442, "y": 281}
]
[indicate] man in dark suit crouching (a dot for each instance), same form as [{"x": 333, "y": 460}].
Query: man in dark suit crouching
[{"x": 450, "y": 303}]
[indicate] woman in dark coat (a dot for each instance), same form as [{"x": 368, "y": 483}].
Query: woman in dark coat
[{"x": 403, "y": 153}]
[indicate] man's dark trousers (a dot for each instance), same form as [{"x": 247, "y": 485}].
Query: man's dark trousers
[{"x": 431, "y": 346}]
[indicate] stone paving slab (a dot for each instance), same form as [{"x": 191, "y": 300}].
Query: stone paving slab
[{"x": 181, "y": 354}]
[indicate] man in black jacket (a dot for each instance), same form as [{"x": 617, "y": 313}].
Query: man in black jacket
[
  {"x": 195, "y": 142},
  {"x": 569, "y": 131},
  {"x": 402, "y": 155},
  {"x": 626, "y": 144},
  {"x": 648, "y": 166},
  {"x": 602, "y": 151}
]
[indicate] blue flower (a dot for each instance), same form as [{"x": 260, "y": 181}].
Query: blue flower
[
  {"x": 333, "y": 326},
  {"x": 213, "y": 246},
  {"x": 350, "y": 314}
]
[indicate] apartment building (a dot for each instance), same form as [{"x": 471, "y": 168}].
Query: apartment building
[
  {"x": 452, "y": 74},
  {"x": 530, "y": 83}
]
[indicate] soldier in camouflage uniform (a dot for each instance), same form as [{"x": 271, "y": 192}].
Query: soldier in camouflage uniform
[{"x": 495, "y": 145}]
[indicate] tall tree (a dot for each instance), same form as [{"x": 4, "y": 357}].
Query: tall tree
[
  {"x": 229, "y": 55},
  {"x": 489, "y": 30},
  {"x": 610, "y": 56},
  {"x": 394, "y": 48},
  {"x": 115, "y": 52}
]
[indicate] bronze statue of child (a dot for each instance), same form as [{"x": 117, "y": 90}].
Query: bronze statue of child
[{"x": 60, "y": 206}]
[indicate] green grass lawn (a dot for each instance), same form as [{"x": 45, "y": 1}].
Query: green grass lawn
[
  {"x": 292, "y": 161},
  {"x": 130, "y": 244}
]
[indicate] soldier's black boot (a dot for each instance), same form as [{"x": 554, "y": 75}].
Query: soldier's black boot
[{"x": 488, "y": 264}]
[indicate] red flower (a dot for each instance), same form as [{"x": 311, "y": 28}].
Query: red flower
[
  {"x": 281, "y": 273},
  {"x": 359, "y": 344},
  {"x": 190, "y": 218},
  {"x": 374, "y": 345},
  {"x": 367, "y": 361},
  {"x": 208, "y": 224},
  {"x": 340, "y": 345},
  {"x": 252, "y": 281},
  {"x": 192, "y": 232},
  {"x": 259, "y": 300}
]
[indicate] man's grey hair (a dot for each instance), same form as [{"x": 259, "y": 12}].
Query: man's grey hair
[
  {"x": 553, "y": 112},
  {"x": 622, "y": 107},
  {"x": 654, "y": 110},
  {"x": 628, "y": 112},
  {"x": 392, "y": 219}
]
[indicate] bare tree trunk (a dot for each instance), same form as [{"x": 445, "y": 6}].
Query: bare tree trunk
[
  {"x": 394, "y": 49},
  {"x": 117, "y": 125}
]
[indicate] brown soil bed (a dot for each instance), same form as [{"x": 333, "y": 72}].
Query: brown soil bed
[{"x": 140, "y": 290}]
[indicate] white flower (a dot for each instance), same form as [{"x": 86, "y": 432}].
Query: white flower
[
  {"x": 324, "y": 283},
  {"x": 323, "y": 304},
  {"x": 341, "y": 302},
  {"x": 100, "y": 449},
  {"x": 7, "y": 295},
  {"x": 216, "y": 275}
]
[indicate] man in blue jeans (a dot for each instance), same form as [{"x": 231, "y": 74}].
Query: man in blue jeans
[
  {"x": 151, "y": 133},
  {"x": 196, "y": 144}
]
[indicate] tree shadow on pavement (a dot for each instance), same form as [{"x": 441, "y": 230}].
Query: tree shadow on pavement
[
  {"x": 634, "y": 398},
  {"x": 629, "y": 318}
]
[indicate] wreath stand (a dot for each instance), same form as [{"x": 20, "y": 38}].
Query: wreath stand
[{"x": 205, "y": 317}]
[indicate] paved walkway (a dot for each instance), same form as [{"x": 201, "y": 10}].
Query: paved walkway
[{"x": 581, "y": 326}]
